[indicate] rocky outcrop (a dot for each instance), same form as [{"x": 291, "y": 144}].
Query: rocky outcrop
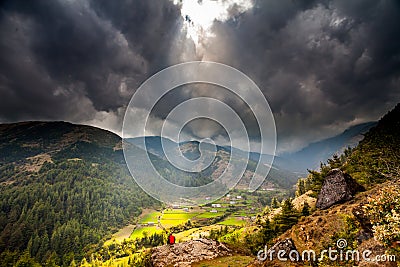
[
  {"x": 338, "y": 187},
  {"x": 185, "y": 253}
]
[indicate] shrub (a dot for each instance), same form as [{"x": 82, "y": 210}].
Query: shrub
[{"x": 384, "y": 213}]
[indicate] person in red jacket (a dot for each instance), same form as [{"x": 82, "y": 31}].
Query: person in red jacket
[{"x": 171, "y": 239}]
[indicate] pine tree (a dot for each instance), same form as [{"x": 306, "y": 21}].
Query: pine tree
[
  {"x": 51, "y": 260},
  {"x": 35, "y": 245},
  {"x": 274, "y": 203},
  {"x": 44, "y": 246},
  {"x": 288, "y": 216},
  {"x": 26, "y": 261},
  {"x": 306, "y": 209},
  {"x": 300, "y": 187}
]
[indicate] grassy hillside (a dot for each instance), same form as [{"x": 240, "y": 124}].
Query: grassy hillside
[{"x": 368, "y": 222}]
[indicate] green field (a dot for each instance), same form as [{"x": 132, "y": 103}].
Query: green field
[
  {"x": 234, "y": 221},
  {"x": 139, "y": 232},
  {"x": 175, "y": 211},
  {"x": 150, "y": 217},
  {"x": 173, "y": 219},
  {"x": 208, "y": 215}
]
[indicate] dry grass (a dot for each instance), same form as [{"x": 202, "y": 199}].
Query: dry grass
[
  {"x": 317, "y": 230},
  {"x": 230, "y": 261},
  {"x": 299, "y": 201}
]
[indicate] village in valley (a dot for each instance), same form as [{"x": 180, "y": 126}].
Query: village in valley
[{"x": 233, "y": 211}]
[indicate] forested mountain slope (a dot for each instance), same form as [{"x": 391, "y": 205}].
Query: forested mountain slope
[
  {"x": 375, "y": 159},
  {"x": 311, "y": 156},
  {"x": 63, "y": 187}
]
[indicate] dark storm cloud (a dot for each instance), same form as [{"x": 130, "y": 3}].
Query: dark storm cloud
[
  {"x": 323, "y": 65},
  {"x": 72, "y": 59},
  {"x": 150, "y": 27}
]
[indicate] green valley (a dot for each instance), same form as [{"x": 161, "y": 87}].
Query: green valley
[{"x": 66, "y": 194}]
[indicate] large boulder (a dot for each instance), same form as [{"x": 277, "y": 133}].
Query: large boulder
[
  {"x": 338, "y": 187},
  {"x": 186, "y": 253}
]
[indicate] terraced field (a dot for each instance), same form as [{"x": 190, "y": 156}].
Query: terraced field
[
  {"x": 175, "y": 217},
  {"x": 140, "y": 232},
  {"x": 233, "y": 221},
  {"x": 150, "y": 216},
  {"x": 208, "y": 215}
]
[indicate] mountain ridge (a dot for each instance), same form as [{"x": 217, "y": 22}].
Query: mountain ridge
[{"x": 313, "y": 154}]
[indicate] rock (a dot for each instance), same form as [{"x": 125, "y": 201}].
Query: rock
[
  {"x": 366, "y": 227},
  {"x": 185, "y": 253},
  {"x": 338, "y": 187},
  {"x": 362, "y": 217},
  {"x": 286, "y": 245},
  {"x": 376, "y": 249}
]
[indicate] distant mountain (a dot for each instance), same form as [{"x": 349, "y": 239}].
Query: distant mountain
[
  {"x": 311, "y": 156},
  {"x": 278, "y": 177},
  {"x": 153, "y": 144},
  {"x": 19, "y": 141}
]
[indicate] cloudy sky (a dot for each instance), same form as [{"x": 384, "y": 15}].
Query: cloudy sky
[{"x": 322, "y": 65}]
